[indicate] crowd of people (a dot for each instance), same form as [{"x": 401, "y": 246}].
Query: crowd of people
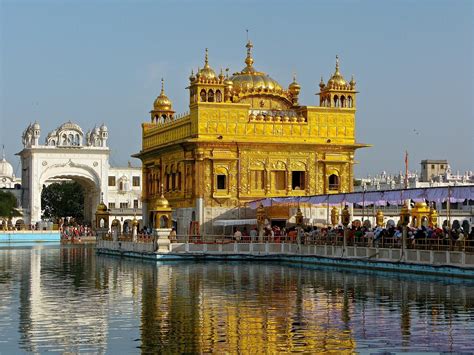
[
  {"x": 74, "y": 232},
  {"x": 389, "y": 235}
]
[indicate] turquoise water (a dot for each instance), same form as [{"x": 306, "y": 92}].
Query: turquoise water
[
  {"x": 29, "y": 237},
  {"x": 68, "y": 299}
]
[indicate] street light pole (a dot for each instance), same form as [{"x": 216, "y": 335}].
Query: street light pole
[
  {"x": 405, "y": 220},
  {"x": 346, "y": 219}
]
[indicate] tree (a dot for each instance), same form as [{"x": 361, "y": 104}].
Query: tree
[
  {"x": 63, "y": 200},
  {"x": 8, "y": 205}
]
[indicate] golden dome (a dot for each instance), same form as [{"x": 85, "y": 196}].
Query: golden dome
[
  {"x": 159, "y": 203},
  {"x": 294, "y": 87},
  {"x": 321, "y": 83},
  {"x": 162, "y": 102},
  {"x": 421, "y": 205},
  {"x": 337, "y": 80},
  {"x": 206, "y": 73},
  {"x": 134, "y": 221},
  {"x": 251, "y": 80},
  {"x": 101, "y": 207}
]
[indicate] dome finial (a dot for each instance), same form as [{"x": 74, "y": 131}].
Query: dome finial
[
  {"x": 249, "y": 59},
  {"x": 337, "y": 63},
  {"x": 206, "y": 60},
  {"x": 162, "y": 86},
  {"x": 3, "y": 152}
]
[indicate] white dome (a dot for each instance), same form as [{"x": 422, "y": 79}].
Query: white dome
[{"x": 6, "y": 169}]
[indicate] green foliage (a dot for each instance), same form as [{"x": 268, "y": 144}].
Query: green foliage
[
  {"x": 8, "y": 205},
  {"x": 63, "y": 200}
]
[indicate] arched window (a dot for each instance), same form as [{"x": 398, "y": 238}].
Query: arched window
[
  {"x": 64, "y": 139},
  {"x": 333, "y": 182},
  {"x": 156, "y": 119},
  {"x": 179, "y": 180},
  {"x": 53, "y": 142},
  {"x": 218, "y": 96},
  {"x": 336, "y": 101},
  {"x": 349, "y": 101},
  {"x": 149, "y": 184},
  {"x": 343, "y": 101},
  {"x": 203, "y": 95},
  {"x": 210, "y": 96}
]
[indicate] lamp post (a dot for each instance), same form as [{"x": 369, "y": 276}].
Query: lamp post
[
  {"x": 299, "y": 223},
  {"x": 334, "y": 216},
  {"x": 433, "y": 217},
  {"x": 379, "y": 218},
  {"x": 260, "y": 221},
  {"x": 346, "y": 219},
  {"x": 405, "y": 220}
]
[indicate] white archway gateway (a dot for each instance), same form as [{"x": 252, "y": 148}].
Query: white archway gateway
[{"x": 66, "y": 155}]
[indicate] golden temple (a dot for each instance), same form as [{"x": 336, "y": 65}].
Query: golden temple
[{"x": 246, "y": 137}]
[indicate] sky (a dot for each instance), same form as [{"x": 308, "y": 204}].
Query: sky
[{"x": 96, "y": 62}]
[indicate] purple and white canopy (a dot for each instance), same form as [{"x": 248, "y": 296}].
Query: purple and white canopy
[{"x": 379, "y": 198}]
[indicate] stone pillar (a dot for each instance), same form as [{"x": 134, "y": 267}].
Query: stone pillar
[
  {"x": 162, "y": 241},
  {"x": 134, "y": 233}
]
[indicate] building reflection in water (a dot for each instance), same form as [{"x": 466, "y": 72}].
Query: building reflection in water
[
  {"x": 70, "y": 300},
  {"x": 240, "y": 307},
  {"x": 58, "y": 310},
  {"x": 227, "y": 307}
]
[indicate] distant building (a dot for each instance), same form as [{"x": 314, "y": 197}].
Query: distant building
[
  {"x": 432, "y": 168},
  {"x": 439, "y": 173},
  {"x": 8, "y": 180}
]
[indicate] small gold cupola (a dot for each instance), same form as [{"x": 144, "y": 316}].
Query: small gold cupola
[
  {"x": 294, "y": 89},
  {"x": 337, "y": 93},
  {"x": 162, "y": 107},
  {"x": 206, "y": 86}
]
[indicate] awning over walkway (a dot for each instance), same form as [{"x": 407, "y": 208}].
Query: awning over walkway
[
  {"x": 380, "y": 198},
  {"x": 234, "y": 222}
]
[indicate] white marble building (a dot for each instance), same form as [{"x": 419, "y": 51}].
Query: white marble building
[
  {"x": 8, "y": 180},
  {"x": 387, "y": 181},
  {"x": 68, "y": 154}
]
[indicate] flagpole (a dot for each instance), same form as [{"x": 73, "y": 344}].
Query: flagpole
[{"x": 406, "y": 169}]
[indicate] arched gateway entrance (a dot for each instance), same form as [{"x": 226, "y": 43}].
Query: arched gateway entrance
[{"x": 66, "y": 155}]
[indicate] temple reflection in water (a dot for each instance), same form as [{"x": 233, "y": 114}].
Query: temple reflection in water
[{"x": 69, "y": 299}]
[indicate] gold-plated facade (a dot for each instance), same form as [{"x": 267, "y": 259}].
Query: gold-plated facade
[{"x": 246, "y": 137}]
